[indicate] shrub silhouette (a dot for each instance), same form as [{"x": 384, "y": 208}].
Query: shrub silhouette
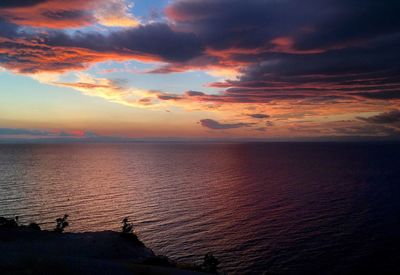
[
  {"x": 127, "y": 232},
  {"x": 127, "y": 227},
  {"x": 210, "y": 263},
  {"x": 62, "y": 223},
  {"x": 9, "y": 223},
  {"x": 14, "y": 223},
  {"x": 34, "y": 226}
]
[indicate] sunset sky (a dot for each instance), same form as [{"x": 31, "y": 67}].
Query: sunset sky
[{"x": 199, "y": 69}]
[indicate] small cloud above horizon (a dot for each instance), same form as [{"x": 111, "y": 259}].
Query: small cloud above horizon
[
  {"x": 215, "y": 125},
  {"x": 44, "y": 133},
  {"x": 260, "y": 116}
]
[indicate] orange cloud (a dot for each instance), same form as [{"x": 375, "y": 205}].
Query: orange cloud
[
  {"x": 70, "y": 14},
  {"x": 34, "y": 56},
  {"x": 52, "y": 14}
]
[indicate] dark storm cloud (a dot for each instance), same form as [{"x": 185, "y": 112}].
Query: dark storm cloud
[
  {"x": 215, "y": 125},
  {"x": 153, "y": 39},
  {"x": 352, "y": 21},
  {"x": 332, "y": 63},
  {"x": 345, "y": 70},
  {"x": 335, "y": 45},
  {"x": 314, "y": 23},
  {"x": 223, "y": 24}
]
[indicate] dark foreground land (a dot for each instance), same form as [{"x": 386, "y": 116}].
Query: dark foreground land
[{"x": 25, "y": 250}]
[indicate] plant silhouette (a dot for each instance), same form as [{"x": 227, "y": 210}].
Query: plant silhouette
[
  {"x": 34, "y": 226},
  {"x": 61, "y": 224},
  {"x": 9, "y": 223},
  {"x": 210, "y": 263},
  {"x": 128, "y": 234},
  {"x": 127, "y": 227}
]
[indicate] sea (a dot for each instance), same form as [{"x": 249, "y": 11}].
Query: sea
[{"x": 260, "y": 208}]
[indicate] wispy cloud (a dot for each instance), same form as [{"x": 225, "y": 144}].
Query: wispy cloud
[{"x": 44, "y": 133}]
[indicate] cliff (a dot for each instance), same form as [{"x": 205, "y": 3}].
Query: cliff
[{"x": 24, "y": 250}]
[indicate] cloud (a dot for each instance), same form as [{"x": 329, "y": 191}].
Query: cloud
[
  {"x": 21, "y": 132},
  {"x": 283, "y": 47},
  {"x": 164, "y": 96},
  {"x": 260, "y": 116},
  {"x": 215, "y": 125},
  {"x": 68, "y": 14},
  {"x": 385, "y": 95},
  {"x": 146, "y": 101},
  {"x": 368, "y": 130},
  {"x": 261, "y": 129},
  {"x": 156, "y": 40},
  {"x": 321, "y": 60},
  {"x": 309, "y": 25},
  {"x": 20, "y": 3},
  {"x": 390, "y": 117},
  {"x": 116, "y": 13},
  {"x": 276, "y": 49},
  {"x": 50, "y": 13},
  {"x": 59, "y": 51},
  {"x": 194, "y": 93},
  {"x": 12, "y": 131},
  {"x": 117, "y": 91},
  {"x": 273, "y": 45},
  {"x": 32, "y": 55},
  {"x": 112, "y": 90}
]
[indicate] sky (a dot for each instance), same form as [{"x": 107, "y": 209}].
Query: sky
[{"x": 257, "y": 69}]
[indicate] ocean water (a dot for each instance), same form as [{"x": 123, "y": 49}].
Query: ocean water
[{"x": 286, "y": 208}]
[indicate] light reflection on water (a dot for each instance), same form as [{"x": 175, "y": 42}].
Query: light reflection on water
[{"x": 291, "y": 208}]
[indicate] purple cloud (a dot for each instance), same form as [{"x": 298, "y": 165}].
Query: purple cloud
[
  {"x": 391, "y": 117},
  {"x": 215, "y": 125},
  {"x": 260, "y": 116}
]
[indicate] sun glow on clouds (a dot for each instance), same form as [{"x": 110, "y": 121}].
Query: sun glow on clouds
[
  {"x": 111, "y": 90},
  {"x": 70, "y": 14},
  {"x": 116, "y": 91},
  {"x": 116, "y": 13},
  {"x": 306, "y": 75},
  {"x": 276, "y": 118}
]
